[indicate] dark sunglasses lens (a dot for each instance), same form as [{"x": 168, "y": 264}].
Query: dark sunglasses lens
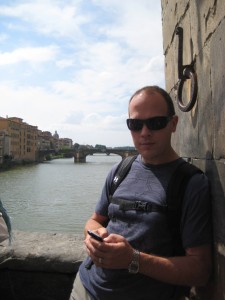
[
  {"x": 157, "y": 123},
  {"x": 134, "y": 124}
]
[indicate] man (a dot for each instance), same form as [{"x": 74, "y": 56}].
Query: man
[{"x": 135, "y": 260}]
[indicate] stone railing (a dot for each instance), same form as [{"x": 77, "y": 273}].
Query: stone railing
[{"x": 39, "y": 266}]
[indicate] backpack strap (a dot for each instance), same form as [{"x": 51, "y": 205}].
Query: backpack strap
[
  {"x": 175, "y": 195},
  {"x": 144, "y": 206},
  {"x": 121, "y": 172}
]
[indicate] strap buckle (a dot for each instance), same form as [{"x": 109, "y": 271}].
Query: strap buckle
[{"x": 140, "y": 205}]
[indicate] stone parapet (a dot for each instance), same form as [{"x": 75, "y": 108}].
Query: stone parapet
[{"x": 39, "y": 265}]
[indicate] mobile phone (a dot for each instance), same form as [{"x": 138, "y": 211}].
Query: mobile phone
[{"x": 95, "y": 236}]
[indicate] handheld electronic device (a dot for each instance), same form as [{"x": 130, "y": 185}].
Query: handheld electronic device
[{"x": 95, "y": 236}]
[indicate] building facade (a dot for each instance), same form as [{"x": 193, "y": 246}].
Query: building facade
[
  {"x": 4, "y": 146},
  {"x": 21, "y": 142},
  {"x": 22, "y": 139}
]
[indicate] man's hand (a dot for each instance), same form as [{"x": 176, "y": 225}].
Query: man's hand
[{"x": 113, "y": 253}]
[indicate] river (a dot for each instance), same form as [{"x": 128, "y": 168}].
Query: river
[{"x": 54, "y": 196}]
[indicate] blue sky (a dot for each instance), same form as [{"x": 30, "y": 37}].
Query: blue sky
[{"x": 72, "y": 65}]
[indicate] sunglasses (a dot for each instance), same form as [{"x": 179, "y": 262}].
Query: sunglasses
[{"x": 155, "y": 123}]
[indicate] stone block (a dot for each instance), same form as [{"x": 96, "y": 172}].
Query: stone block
[
  {"x": 218, "y": 95},
  {"x": 205, "y": 17},
  {"x": 39, "y": 266},
  {"x": 171, "y": 68},
  {"x": 172, "y": 12},
  {"x": 194, "y": 136},
  {"x": 48, "y": 252},
  {"x": 215, "y": 171},
  {"x": 215, "y": 287},
  {"x": 24, "y": 285},
  {"x": 200, "y": 134},
  {"x": 216, "y": 174}
]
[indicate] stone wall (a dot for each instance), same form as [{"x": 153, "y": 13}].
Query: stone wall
[
  {"x": 39, "y": 266},
  {"x": 201, "y": 132}
]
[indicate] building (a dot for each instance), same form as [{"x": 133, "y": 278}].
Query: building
[
  {"x": 21, "y": 142},
  {"x": 44, "y": 140},
  {"x": 55, "y": 141},
  {"x": 22, "y": 139},
  {"x": 4, "y": 146},
  {"x": 65, "y": 143},
  {"x": 61, "y": 143}
]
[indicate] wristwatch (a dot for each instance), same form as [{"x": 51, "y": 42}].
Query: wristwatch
[{"x": 133, "y": 267}]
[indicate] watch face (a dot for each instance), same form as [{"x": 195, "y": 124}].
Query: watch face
[{"x": 134, "y": 267}]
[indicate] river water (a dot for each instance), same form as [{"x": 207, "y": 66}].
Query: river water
[{"x": 55, "y": 196}]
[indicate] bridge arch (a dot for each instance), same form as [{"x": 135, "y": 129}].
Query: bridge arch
[{"x": 80, "y": 155}]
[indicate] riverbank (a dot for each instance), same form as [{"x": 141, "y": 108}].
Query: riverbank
[
  {"x": 14, "y": 164},
  {"x": 10, "y": 164}
]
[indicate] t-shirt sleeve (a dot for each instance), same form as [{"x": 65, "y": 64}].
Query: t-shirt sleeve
[{"x": 196, "y": 223}]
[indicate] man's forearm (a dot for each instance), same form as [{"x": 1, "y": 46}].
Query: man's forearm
[
  {"x": 190, "y": 270},
  {"x": 92, "y": 224},
  {"x": 95, "y": 222}
]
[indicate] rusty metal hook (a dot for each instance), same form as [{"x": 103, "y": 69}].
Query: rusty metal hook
[{"x": 185, "y": 72}]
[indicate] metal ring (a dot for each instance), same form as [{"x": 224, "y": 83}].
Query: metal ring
[{"x": 188, "y": 74}]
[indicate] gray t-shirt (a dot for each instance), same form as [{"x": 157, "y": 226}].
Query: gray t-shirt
[{"x": 147, "y": 231}]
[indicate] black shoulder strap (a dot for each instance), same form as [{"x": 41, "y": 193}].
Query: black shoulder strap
[
  {"x": 175, "y": 194},
  {"x": 121, "y": 172}
]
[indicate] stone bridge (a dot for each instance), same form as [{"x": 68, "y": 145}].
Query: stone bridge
[
  {"x": 80, "y": 155},
  {"x": 43, "y": 153}
]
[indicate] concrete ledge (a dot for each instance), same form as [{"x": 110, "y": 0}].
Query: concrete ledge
[{"x": 39, "y": 265}]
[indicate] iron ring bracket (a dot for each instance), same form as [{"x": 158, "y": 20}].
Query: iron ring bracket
[{"x": 185, "y": 72}]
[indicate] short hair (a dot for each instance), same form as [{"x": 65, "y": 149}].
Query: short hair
[{"x": 162, "y": 92}]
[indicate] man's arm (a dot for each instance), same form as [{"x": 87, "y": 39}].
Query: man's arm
[
  {"x": 191, "y": 270},
  {"x": 96, "y": 222}
]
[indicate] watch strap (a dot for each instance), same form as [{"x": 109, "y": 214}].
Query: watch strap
[{"x": 134, "y": 265}]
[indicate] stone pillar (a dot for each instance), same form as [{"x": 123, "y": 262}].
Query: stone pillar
[
  {"x": 79, "y": 157},
  {"x": 200, "y": 134}
]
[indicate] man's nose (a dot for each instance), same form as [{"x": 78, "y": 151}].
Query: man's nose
[{"x": 145, "y": 130}]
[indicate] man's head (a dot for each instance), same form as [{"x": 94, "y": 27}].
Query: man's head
[
  {"x": 162, "y": 92},
  {"x": 152, "y": 121}
]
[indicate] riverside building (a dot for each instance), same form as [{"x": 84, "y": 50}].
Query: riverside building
[{"x": 21, "y": 142}]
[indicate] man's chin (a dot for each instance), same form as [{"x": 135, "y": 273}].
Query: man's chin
[
  {"x": 146, "y": 150},
  {"x": 147, "y": 155}
]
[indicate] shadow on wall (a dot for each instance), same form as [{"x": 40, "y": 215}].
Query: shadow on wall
[{"x": 216, "y": 173}]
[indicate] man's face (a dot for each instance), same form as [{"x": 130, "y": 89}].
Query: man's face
[{"x": 153, "y": 145}]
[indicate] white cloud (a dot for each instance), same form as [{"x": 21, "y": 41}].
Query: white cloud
[
  {"x": 28, "y": 54},
  {"x": 138, "y": 24},
  {"x": 47, "y": 17},
  {"x": 71, "y": 65},
  {"x": 64, "y": 63}
]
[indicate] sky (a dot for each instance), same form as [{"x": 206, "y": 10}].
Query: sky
[{"x": 71, "y": 66}]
